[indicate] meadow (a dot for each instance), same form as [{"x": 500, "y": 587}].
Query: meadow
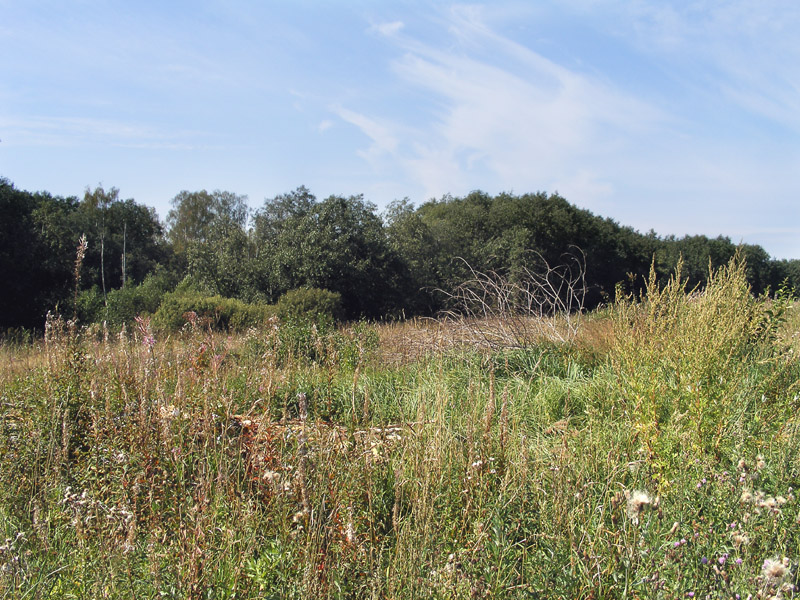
[{"x": 650, "y": 451}]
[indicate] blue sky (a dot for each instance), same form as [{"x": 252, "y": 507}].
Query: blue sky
[{"x": 682, "y": 117}]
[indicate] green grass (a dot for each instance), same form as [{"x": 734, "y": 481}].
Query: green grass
[{"x": 654, "y": 456}]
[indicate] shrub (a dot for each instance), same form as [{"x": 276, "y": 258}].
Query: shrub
[
  {"x": 214, "y": 312},
  {"x": 123, "y": 305},
  {"x": 704, "y": 363},
  {"x": 310, "y": 303}
]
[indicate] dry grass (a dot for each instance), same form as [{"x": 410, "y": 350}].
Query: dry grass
[{"x": 18, "y": 359}]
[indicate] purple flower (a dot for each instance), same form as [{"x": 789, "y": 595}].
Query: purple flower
[
  {"x": 738, "y": 561},
  {"x": 722, "y": 559},
  {"x": 704, "y": 561}
]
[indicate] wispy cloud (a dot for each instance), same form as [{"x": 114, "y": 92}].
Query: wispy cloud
[
  {"x": 503, "y": 115},
  {"x": 388, "y": 29},
  {"x": 383, "y": 139},
  {"x": 749, "y": 52},
  {"x": 80, "y": 131}
]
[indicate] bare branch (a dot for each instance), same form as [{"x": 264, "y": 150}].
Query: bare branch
[{"x": 535, "y": 302}]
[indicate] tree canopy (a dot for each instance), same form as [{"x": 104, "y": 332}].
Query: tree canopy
[{"x": 379, "y": 265}]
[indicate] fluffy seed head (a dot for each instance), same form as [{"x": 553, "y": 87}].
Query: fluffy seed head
[{"x": 637, "y": 501}]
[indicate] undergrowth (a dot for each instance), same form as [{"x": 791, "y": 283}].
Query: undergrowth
[{"x": 656, "y": 455}]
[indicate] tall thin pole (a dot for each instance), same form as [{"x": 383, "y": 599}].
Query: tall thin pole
[{"x": 124, "y": 240}]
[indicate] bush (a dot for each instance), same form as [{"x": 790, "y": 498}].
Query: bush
[
  {"x": 123, "y": 305},
  {"x": 704, "y": 365},
  {"x": 310, "y": 303},
  {"x": 216, "y": 312}
]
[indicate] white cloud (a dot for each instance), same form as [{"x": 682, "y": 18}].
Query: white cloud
[
  {"x": 505, "y": 116},
  {"x": 383, "y": 140},
  {"x": 499, "y": 115},
  {"x": 389, "y": 29},
  {"x": 76, "y": 131},
  {"x": 747, "y": 51}
]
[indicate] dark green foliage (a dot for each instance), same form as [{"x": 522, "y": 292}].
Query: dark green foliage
[
  {"x": 223, "y": 263},
  {"x": 442, "y": 239},
  {"x": 39, "y": 234},
  {"x": 123, "y": 305},
  {"x": 306, "y": 303},
  {"x": 34, "y": 251},
  {"x": 508, "y": 234},
  {"x": 338, "y": 244},
  {"x": 393, "y": 267}
]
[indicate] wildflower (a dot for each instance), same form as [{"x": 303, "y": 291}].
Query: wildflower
[
  {"x": 760, "y": 462},
  {"x": 774, "y": 570},
  {"x": 721, "y": 560},
  {"x": 637, "y": 501},
  {"x": 704, "y": 561},
  {"x": 741, "y": 465},
  {"x": 747, "y": 496},
  {"x": 740, "y": 539}
]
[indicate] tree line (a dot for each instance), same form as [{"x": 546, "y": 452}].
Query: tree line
[{"x": 382, "y": 265}]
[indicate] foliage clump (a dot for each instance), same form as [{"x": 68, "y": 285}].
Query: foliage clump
[
  {"x": 215, "y": 312},
  {"x": 706, "y": 361},
  {"x": 310, "y": 303}
]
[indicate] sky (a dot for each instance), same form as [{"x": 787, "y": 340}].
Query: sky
[{"x": 680, "y": 117}]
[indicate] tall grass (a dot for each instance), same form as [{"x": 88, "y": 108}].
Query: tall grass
[{"x": 654, "y": 456}]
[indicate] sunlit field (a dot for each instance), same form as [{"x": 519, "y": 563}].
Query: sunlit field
[{"x": 649, "y": 450}]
